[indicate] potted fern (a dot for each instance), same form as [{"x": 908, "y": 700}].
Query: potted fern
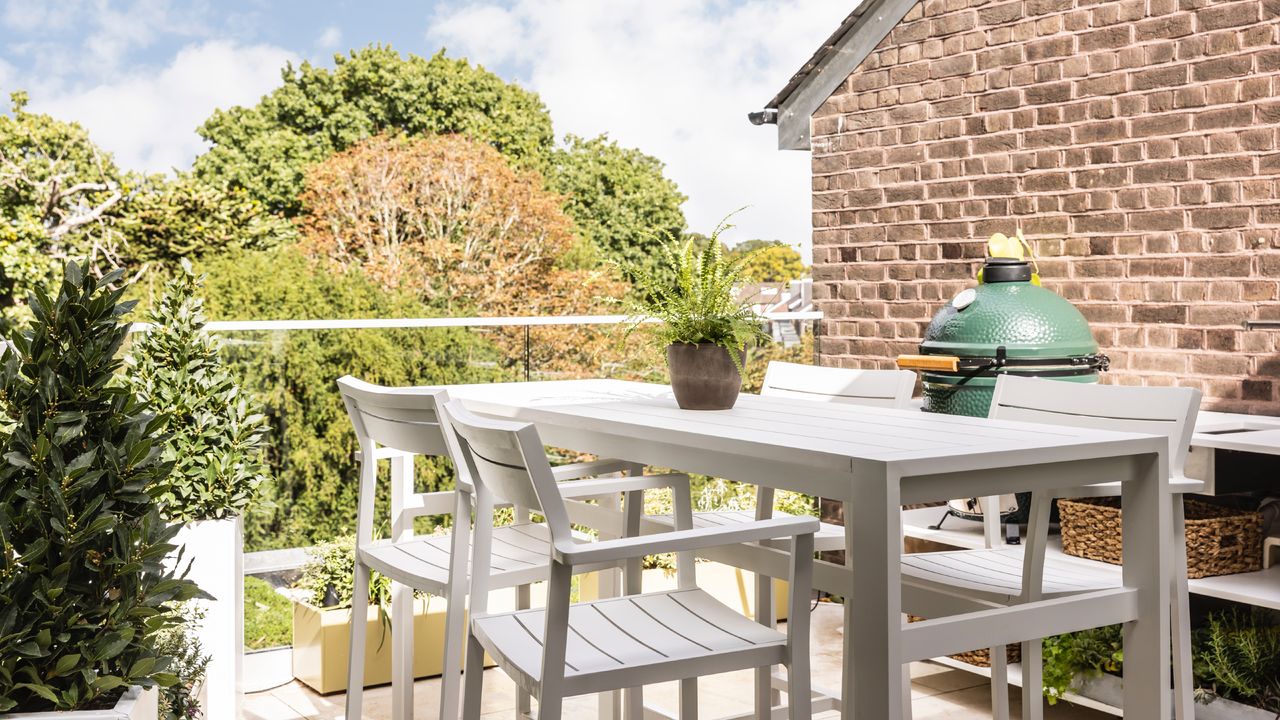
[
  {"x": 84, "y": 594},
  {"x": 215, "y": 433},
  {"x": 703, "y": 325}
]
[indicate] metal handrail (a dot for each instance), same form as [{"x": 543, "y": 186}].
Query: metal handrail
[{"x": 440, "y": 322}]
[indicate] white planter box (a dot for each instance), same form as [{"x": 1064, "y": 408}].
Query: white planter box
[
  {"x": 135, "y": 704},
  {"x": 214, "y": 549},
  {"x": 1110, "y": 690}
]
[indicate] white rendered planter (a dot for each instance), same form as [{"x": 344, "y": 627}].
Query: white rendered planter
[
  {"x": 214, "y": 549},
  {"x": 1110, "y": 689},
  {"x": 135, "y": 704}
]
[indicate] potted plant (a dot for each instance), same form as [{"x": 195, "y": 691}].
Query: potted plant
[
  {"x": 703, "y": 325},
  {"x": 215, "y": 444},
  {"x": 83, "y": 589}
]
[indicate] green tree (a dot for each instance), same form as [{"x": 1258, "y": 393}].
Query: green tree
[
  {"x": 60, "y": 199},
  {"x": 184, "y": 217},
  {"x": 311, "y": 454},
  {"x": 267, "y": 149},
  {"x": 770, "y": 260},
  {"x": 621, "y": 202}
]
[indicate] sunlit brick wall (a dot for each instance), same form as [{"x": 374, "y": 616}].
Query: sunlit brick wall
[{"x": 1136, "y": 141}]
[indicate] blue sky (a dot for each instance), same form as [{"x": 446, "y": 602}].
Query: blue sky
[{"x": 672, "y": 77}]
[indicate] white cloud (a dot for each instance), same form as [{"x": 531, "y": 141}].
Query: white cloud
[
  {"x": 330, "y": 38},
  {"x": 148, "y": 120},
  {"x": 673, "y": 79}
]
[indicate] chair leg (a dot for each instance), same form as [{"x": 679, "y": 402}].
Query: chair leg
[
  {"x": 550, "y": 707},
  {"x": 355, "y": 658},
  {"x": 999, "y": 683},
  {"x": 688, "y": 699},
  {"x": 473, "y": 679},
  {"x": 524, "y": 705},
  {"x": 1032, "y": 681},
  {"x": 451, "y": 659},
  {"x": 799, "y": 690},
  {"x": 1180, "y": 616},
  {"x": 401, "y": 652},
  {"x": 906, "y": 691},
  {"x": 765, "y": 696}
]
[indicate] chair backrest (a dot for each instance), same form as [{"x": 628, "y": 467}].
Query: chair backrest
[
  {"x": 880, "y": 388},
  {"x": 400, "y": 418},
  {"x": 508, "y": 464},
  {"x": 1167, "y": 411}
]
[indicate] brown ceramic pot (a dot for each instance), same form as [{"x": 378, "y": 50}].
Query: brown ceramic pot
[{"x": 703, "y": 376}]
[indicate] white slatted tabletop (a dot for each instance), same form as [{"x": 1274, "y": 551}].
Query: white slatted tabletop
[{"x": 875, "y": 460}]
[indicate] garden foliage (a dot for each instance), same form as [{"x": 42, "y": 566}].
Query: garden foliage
[
  {"x": 215, "y": 429},
  {"x": 60, "y": 197},
  {"x": 311, "y": 456},
  {"x": 83, "y": 592},
  {"x": 620, "y": 201},
  {"x": 1238, "y": 657},
  {"x": 266, "y": 150}
]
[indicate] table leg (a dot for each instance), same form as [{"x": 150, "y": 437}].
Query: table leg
[
  {"x": 873, "y": 606},
  {"x": 1147, "y": 569}
]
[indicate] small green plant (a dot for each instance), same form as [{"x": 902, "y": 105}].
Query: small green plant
[
  {"x": 1087, "y": 653},
  {"x": 215, "y": 429},
  {"x": 83, "y": 588},
  {"x": 693, "y": 295},
  {"x": 1237, "y": 656},
  {"x": 268, "y": 616},
  {"x": 329, "y": 577},
  {"x": 181, "y": 701}
]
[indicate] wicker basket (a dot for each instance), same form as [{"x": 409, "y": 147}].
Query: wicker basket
[
  {"x": 1220, "y": 540},
  {"x": 980, "y": 658}
]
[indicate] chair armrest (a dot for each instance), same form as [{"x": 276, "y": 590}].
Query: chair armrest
[
  {"x": 443, "y": 502},
  {"x": 575, "y": 471},
  {"x": 384, "y": 453},
  {"x": 607, "y": 486},
  {"x": 607, "y": 551}
]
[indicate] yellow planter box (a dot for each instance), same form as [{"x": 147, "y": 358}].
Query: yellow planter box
[
  {"x": 321, "y": 636},
  {"x": 731, "y": 586}
]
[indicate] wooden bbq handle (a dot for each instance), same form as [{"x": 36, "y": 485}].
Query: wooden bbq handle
[{"x": 950, "y": 363}]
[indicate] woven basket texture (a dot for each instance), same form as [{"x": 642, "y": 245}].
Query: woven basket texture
[
  {"x": 1220, "y": 540},
  {"x": 980, "y": 658}
]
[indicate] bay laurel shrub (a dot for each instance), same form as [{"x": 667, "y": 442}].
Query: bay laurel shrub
[
  {"x": 311, "y": 454},
  {"x": 215, "y": 429},
  {"x": 83, "y": 591}
]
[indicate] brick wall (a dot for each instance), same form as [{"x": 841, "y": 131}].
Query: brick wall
[{"x": 1137, "y": 142}]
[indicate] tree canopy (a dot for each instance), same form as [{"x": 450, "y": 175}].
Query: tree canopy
[
  {"x": 60, "y": 198},
  {"x": 449, "y": 218},
  {"x": 770, "y": 260},
  {"x": 619, "y": 198},
  {"x": 267, "y": 149}
]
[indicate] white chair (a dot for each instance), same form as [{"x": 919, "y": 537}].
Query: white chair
[
  {"x": 397, "y": 424},
  {"x": 566, "y": 650},
  {"x": 874, "y": 388},
  {"x": 946, "y": 583}
]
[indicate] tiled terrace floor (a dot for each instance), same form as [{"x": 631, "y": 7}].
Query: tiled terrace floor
[{"x": 938, "y": 693}]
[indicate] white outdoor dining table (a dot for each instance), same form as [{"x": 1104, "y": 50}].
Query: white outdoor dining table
[{"x": 875, "y": 460}]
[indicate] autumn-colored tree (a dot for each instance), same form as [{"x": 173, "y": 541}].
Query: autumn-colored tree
[{"x": 449, "y": 218}]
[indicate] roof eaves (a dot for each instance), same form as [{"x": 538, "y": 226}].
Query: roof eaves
[{"x": 858, "y": 35}]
